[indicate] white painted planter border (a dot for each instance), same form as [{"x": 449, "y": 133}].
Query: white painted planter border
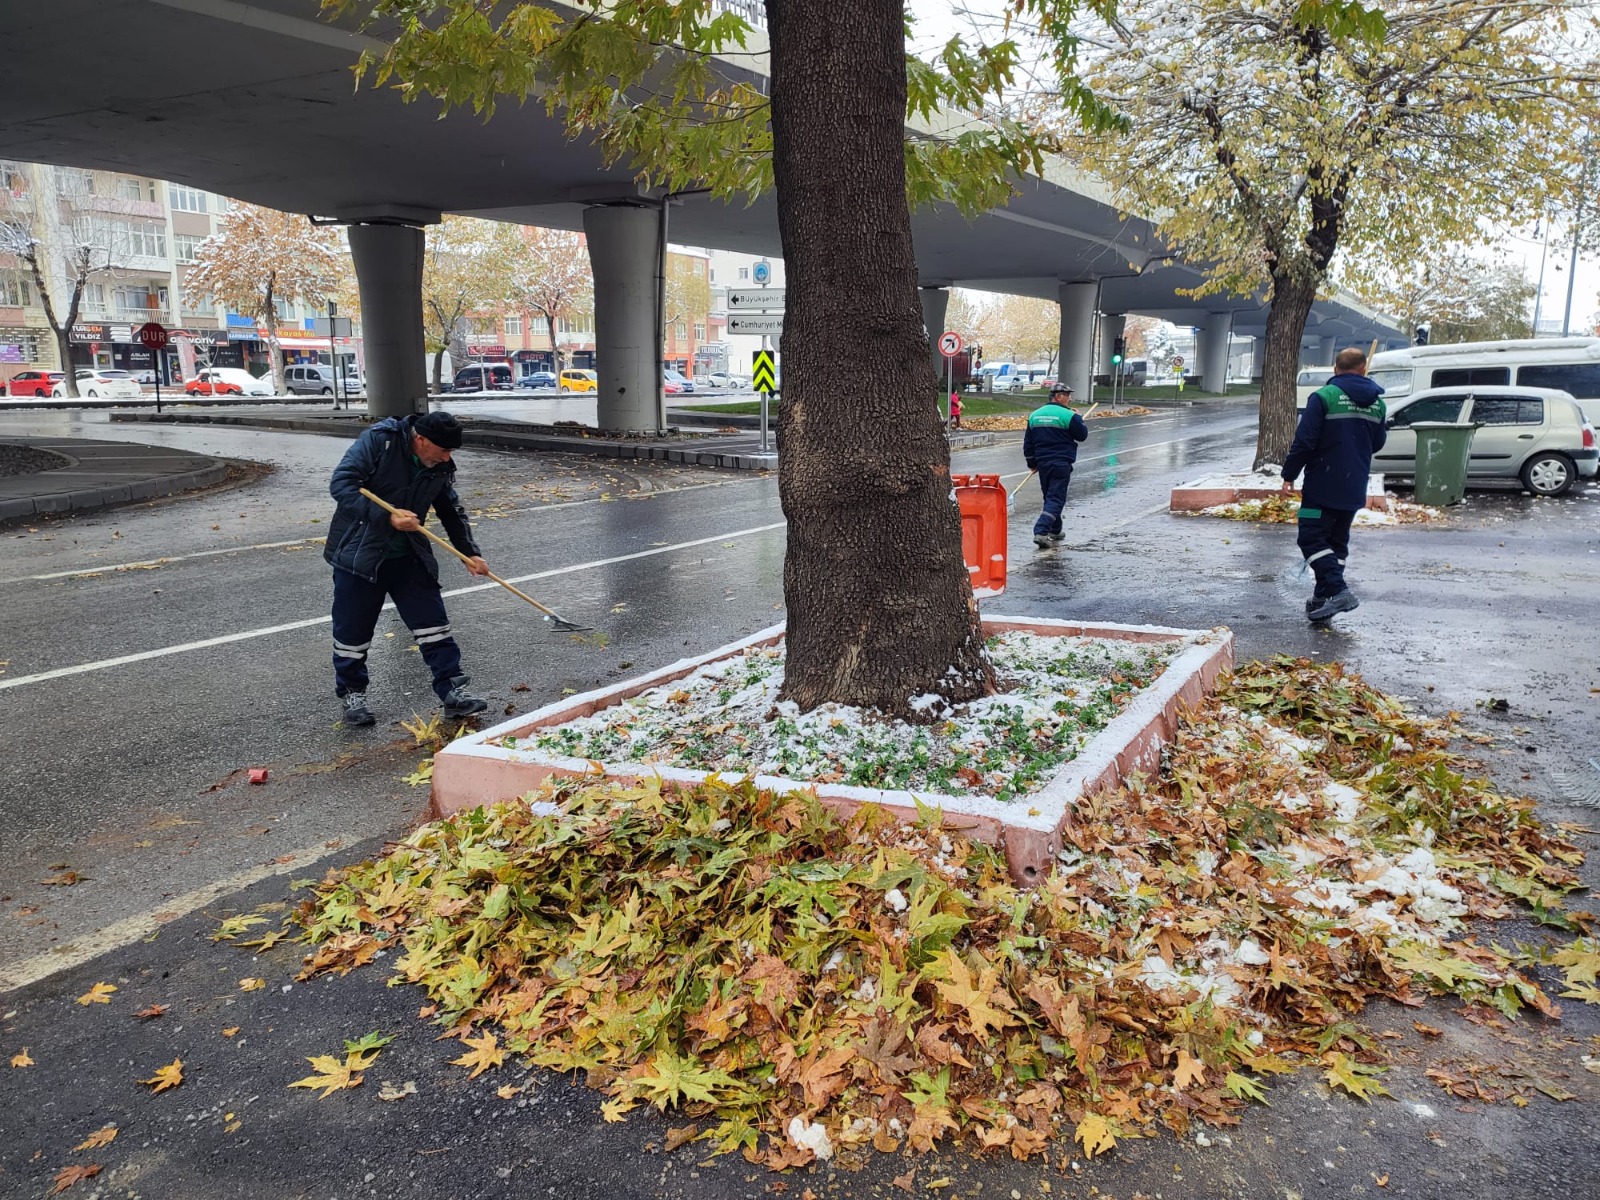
[
  {"x": 473, "y": 771},
  {"x": 1212, "y": 490}
]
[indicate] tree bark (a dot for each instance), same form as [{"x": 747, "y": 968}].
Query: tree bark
[
  {"x": 1280, "y": 366},
  {"x": 555, "y": 352},
  {"x": 880, "y": 607},
  {"x": 274, "y": 349}
]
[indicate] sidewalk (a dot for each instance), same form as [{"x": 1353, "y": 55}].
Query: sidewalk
[{"x": 94, "y": 474}]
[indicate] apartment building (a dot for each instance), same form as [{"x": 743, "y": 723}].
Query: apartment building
[{"x": 139, "y": 237}]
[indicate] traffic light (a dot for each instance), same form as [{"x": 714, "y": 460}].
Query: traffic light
[
  {"x": 1118, "y": 346},
  {"x": 1420, "y": 336}
]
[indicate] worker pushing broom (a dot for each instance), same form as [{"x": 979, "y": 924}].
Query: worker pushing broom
[{"x": 379, "y": 547}]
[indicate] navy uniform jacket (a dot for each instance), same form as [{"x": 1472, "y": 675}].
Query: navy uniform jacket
[
  {"x": 1340, "y": 430},
  {"x": 1054, "y": 432},
  {"x": 360, "y": 536}
]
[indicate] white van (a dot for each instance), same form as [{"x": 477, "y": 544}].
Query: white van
[
  {"x": 1570, "y": 364},
  {"x": 1308, "y": 381}
]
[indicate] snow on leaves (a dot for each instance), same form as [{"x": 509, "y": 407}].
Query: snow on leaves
[{"x": 730, "y": 953}]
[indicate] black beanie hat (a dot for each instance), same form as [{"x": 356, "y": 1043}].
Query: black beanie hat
[{"x": 440, "y": 428}]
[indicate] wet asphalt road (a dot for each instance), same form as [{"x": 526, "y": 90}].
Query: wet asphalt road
[{"x": 125, "y": 773}]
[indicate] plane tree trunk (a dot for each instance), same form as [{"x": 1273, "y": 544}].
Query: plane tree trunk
[{"x": 880, "y": 609}]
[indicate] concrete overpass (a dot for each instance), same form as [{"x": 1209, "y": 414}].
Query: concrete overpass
[{"x": 255, "y": 99}]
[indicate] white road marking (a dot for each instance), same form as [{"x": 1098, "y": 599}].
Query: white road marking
[
  {"x": 145, "y": 564},
  {"x": 161, "y": 562},
  {"x": 24, "y": 971},
  {"x": 245, "y": 635}
]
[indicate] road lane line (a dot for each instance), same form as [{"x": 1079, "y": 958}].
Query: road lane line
[
  {"x": 484, "y": 513},
  {"x": 23, "y": 971},
  {"x": 161, "y": 562},
  {"x": 123, "y": 660}
]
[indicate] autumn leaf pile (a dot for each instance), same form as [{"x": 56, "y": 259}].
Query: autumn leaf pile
[{"x": 802, "y": 985}]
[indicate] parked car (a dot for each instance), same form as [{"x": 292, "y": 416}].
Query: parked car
[
  {"x": 484, "y": 377},
  {"x": 579, "y": 379},
  {"x": 227, "y": 381},
  {"x": 310, "y": 379},
  {"x": 677, "y": 383},
  {"x": 102, "y": 384},
  {"x": 539, "y": 379},
  {"x": 1308, "y": 381},
  {"x": 723, "y": 379},
  {"x": 34, "y": 383},
  {"x": 1538, "y": 436}
]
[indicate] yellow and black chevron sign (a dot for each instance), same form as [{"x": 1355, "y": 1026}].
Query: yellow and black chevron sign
[{"x": 764, "y": 376}]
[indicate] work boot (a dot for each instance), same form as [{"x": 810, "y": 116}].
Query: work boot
[
  {"x": 356, "y": 711},
  {"x": 1331, "y": 606},
  {"x": 458, "y": 702},
  {"x": 1057, "y": 538},
  {"x": 1042, "y": 540}
]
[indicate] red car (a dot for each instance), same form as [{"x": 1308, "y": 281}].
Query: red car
[{"x": 35, "y": 383}]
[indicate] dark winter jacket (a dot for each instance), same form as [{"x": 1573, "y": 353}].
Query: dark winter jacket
[
  {"x": 360, "y": 536},
  {"x": 1340, "y": 430},
  {"x": 1054, "y": 432}
]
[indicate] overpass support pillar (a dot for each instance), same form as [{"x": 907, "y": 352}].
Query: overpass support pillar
[
  {"x": 623, "y": 253},
  {"x": 388, "y": 261},
  {"x": 1211, "y": 347},
  {"x": 935, "y": 303},
  {"x": 1326, "y": 349},
  {"x": 1112, "y": 326},
  {"x": 1077, "y": 339}
]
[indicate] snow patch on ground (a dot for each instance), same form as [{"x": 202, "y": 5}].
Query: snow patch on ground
[{"x": 726, "y": 716}]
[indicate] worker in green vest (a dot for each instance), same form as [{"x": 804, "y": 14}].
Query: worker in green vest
[{"x": 1051, "y": 448}]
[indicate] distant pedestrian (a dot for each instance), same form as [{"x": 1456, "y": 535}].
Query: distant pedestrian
[
  {"x": 1051, "y": 447},
  {"x": 405, "y": 460},
  {"x": 1340, "y": 430},
  {"x": 955, "y": 410}
]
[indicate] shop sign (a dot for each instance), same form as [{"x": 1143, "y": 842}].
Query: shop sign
[{"x": 85, "y": 333}]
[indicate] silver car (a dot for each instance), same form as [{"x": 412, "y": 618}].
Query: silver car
[{"x": 1536, "y": 435}]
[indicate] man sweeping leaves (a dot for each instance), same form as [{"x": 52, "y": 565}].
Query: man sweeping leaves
[{"x": 376, "y": 554}]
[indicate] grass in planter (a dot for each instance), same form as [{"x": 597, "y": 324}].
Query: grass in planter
[{"x": 1059, "y": 692}]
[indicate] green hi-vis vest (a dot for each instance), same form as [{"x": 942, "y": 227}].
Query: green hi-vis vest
[
  {"x": 1337, "y": 406},
  {"x": 1051, "y": 416}
]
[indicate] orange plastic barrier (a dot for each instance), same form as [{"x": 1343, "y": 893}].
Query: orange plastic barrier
[{"x": 982, "y": 499}]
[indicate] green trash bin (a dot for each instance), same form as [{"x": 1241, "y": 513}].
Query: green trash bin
[{"x": 1442, "y": 451}]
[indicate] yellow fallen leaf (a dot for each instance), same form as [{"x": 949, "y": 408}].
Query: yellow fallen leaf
[
  {"x": 233, "y": 1126},
  {"x": 169, "y": 1076},
  {"x": 331, "y": 1075},
  {"x": 100, "y": 993},
  {"x": 506, "y": 1091},
  {"x": 21, "y": 1058},
  {"x": 485, "y": 1053},
  {"x": 103, "y": 1136},
  {"x": 230, "y": 1031},
  {"x": 1095, "y": 1135},
  {"x": 252, "y": 985},
  {"x": 612, "y": 1110}
]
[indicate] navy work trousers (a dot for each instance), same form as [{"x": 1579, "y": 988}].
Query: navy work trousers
[
  {"x": 415, "y": 592},
  {"x": 1053, "y": 483},
  {"x": 1324, "y": 538}
]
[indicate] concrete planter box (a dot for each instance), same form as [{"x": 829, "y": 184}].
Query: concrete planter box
[
  {"x": 1231, "y": 489},
  {"x": 475, "y": 770}
]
